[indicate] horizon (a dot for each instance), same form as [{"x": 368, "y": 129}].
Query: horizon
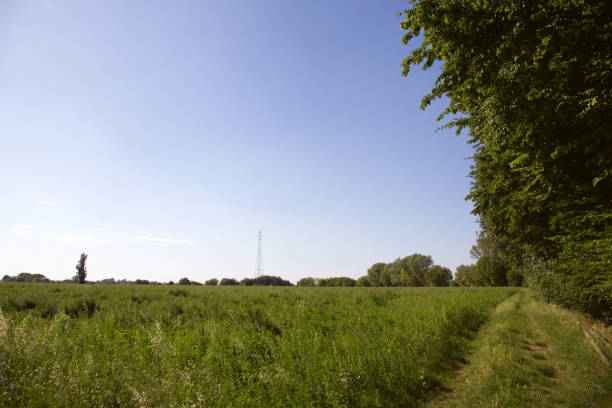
[{"x": 159, "y": 139}]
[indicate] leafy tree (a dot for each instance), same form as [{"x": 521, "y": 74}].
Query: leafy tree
[
  {"x": 184, "y": 281},
  {"x": 375, "y": 274},
  {"x": 465, "y": 275},
  {"x": 407, "y": 271},
  {"x": 82, "y": 268},
  {"x": 212, "y": 282},
  {"x": 306, "y": 282},
  {"x": 438, "y": 275},
  {"x": 364, "y": 281},
  {"x": 228, "y": 282},
  {"x": 530, "y": 81}
]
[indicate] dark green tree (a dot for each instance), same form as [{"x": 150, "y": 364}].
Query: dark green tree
[
  {"x": 228, "y": 282},
  {"x": 465, "y": 275},
  {"x": 438, "y": 275},
  {"x": 82, "y": 268},
  {"x": 212, "y": 282}
]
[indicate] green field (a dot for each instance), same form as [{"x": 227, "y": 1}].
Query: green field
[{"x": 165, "y": 346}]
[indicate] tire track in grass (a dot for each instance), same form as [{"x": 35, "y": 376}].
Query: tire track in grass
[{"x": 531, "y": 354}]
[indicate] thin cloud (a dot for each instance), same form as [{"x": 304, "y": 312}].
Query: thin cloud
[
  {"x": 161, "y": 240},
  {"x": 26, "y": 227},
  {"x": 50, "y": 203},
  {"x": 70, "y": 237},
  {"x": 22, "y": 229}
]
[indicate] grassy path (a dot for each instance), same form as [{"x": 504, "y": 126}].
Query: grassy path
[{"x": 534, "y": 355}]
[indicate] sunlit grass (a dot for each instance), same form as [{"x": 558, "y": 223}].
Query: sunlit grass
[{"x": 71, "y": 345}]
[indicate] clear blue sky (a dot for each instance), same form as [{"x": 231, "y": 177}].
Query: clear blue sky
[{"x": 158, "y": 137}]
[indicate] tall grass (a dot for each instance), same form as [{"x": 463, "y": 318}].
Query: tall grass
[{"x": 71, "y": 345}]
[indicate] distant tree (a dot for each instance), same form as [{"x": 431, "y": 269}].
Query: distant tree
[
  {"x": 194, "y": 283},
  {"x": 170, "y": 283},
  {"x": 407, "y": 271},
  {"x": 364, "y": 281},
  {"x": 375, "y": 274},
  {"x": 437, "y": 275},
  {"x": 212, "y": 282},
  {"x": 26, "y": 277},
  {"x": 141, "y": 282},
  {"x": 228, "y": 282},
  {"x": 336, "y": 282},
  {"x": 306, "y": 282},
  {"x": 487, "y": 271},
  {"x": 265, "y": 280},
  {"x": 492, "y": 271},
  {"x": 465, "y": 275},
  {"x": 82, "y": 268},
  {"x": 184, "y": 281}
]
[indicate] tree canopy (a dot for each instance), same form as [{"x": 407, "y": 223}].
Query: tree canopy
[{"x": 530, "y": 81}]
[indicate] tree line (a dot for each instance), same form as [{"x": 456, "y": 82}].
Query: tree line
[
  {"x": 530, "y": 83},
  {"x": 414, "y": 270}
]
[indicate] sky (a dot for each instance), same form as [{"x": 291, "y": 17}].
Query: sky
[{"x": 160, "y": 137}]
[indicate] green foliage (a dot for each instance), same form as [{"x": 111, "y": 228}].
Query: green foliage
[
  {"x": 184, "y": 281},
  {"x": 413, "y": 270},
  {"x": 438, "y": 275},
  {"x": 491, "y": 271},
  {"x": 26, "y": 277},
  {"x": 140, "y": 345},
  {"x": 265, "y": 280},
  {"x": 141, "y": 282},
  {"x": 342, "y": 281},
  {"x": 531, "y": 82},
  {"x": 212, "y": 282},
  {"x": 488, "y": 271},
  {"x": 228, "y": 282},
  {"x": 375, "y": 274},
  {"x": 81, "y": 268},
  {"x": 465, "y": 275},
  {"x": 364, "y": 281},
  {"x": 306, "y": 282}
]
